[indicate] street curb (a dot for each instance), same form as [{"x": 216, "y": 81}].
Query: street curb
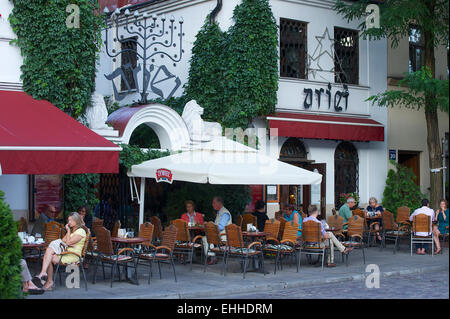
[{"x": 288, "y": 285}]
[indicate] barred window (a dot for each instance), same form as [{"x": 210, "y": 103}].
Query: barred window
[
  {"x": 346, "y": 56},
  {"x": 416, "y": 49},
  {"x": 293, "y": 49},
  {"x": 128, "y": 57}
]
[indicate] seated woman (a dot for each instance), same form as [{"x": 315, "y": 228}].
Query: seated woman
[
  {"x": 85, "y": 216},
  {"x": 374, "y": 212},
  {"x": 291, "y": 214},
  {"x": 73, "y": 241},
  {"x": 442, "y": 216},
  {"x": 191, "y": 216}
]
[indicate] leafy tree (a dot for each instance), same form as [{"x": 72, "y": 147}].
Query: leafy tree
[
  {"x": 206, "y": 73},
  {"x": 431, "y": 18},
  {"x": 10, "y": 254},
  {"x": 59, "y": 62},
  {"x": 251, "y": 76},
  {"x": 401, "y": 189},
  {"x": 80, "y": 190}
]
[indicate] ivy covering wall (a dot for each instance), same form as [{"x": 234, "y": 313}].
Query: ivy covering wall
[
  {"x": 59, "y": 62},
  {"x": 234, "y": 75}
]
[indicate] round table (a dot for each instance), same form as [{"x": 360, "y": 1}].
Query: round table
[
  {"x": 33, "y": 246},
  {"x": 128, "y": 241}
]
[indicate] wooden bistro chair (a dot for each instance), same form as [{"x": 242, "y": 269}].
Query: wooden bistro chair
[
  {"x": 213, "y": 238},
  {"x": 163, "y": 253},
  {"x": 336, "y": 222},
  {"x": 157, "y": 230},
  {"x": 286, "y": 247},
  {"x": 52, "y": 231},
  {"x": 96, "y": 224},
  {"x": 422, "y": 223},
  {"x": 79, "y": 263},
  {"x": 248, "y": 219},
  {"x": 392, "y": 231},
  {"x": 23, "y": 225},
  {"x": 184, "y": 245},
  {"x": 403, "y": 213},
  {"x": 235, "y": 248},
  {"x": 312, "y": 240},
  {"x": 106, "y": 255},
  {"x": 239, "y": 220},
  {"x": 145, "y": 231},
  {"x": 282, "y": 224},
  {"x": 355, "y": 232},
  {"x": 358, "y": 212}
]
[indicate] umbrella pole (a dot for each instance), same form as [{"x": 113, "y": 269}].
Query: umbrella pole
[{"x": 141, "y": 201}]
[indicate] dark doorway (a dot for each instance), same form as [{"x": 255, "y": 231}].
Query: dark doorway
[
  {"x": 346, "y": 171},
  {"x": 411, "y": 159}
]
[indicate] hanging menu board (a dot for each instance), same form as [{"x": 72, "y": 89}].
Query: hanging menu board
[{"x": 47, "y": 190}]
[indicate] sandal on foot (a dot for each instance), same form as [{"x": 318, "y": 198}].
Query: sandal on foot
[{"x": 37, "y": 282}]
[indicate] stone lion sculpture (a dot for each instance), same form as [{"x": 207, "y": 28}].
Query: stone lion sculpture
[
  {"x": 97, "y": 114},
  {"x": 199, "y": 130}
]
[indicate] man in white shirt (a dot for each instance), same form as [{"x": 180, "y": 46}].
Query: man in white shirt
[{"x": 425, "y": 209}]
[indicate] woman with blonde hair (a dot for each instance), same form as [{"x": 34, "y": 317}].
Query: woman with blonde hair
[
  {"x": 374, "y": 212},
  {"x": 73, "y": 241}
]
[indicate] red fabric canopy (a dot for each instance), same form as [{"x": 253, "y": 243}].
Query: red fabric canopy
[
  {"x": 38, "y": 138},
  {"x": 327, "y": 127}
]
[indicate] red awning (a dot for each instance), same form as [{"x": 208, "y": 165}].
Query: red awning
[
  {"x": 38, "y": 138},
  {"x": 327, "y": 127}
]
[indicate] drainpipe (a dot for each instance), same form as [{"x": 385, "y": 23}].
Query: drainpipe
[{"x": 216, "y": 10}]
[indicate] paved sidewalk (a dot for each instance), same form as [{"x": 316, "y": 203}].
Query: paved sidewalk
[{"x": 210, "y": 284}]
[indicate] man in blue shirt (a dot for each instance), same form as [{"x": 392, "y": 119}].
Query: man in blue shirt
[{"x": 223, "y": 217}]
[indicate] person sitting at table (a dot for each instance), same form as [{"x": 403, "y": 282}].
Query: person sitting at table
[
  {"x": 290, "y": 214},
  {"x": 425, "y": 209},
  {"x": 313, "y": 212},
  {"x": 27, "y": 284},
  {"x": 345, "y": 212},
  {"x": 441, "y": 216},
  {"x": 43, "y": 219},
  {"x": 73, "y": 241},
  {"x": 260, "y": 214},
  {"x": 191, "y": 216},
  {"x": 87, "y": 218},
  {"x": 373, "y": 211},
  {"x": 223, "y": 218}
]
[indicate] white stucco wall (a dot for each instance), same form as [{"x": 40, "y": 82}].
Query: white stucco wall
[
  {"x": 10, "y": 60},
  {"x": 15, "y": 188}
]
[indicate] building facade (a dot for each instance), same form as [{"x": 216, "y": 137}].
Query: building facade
[{"x": 322, "y": 120}]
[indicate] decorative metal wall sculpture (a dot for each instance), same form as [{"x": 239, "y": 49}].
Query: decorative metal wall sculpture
[{"x": 153, "y": 37}]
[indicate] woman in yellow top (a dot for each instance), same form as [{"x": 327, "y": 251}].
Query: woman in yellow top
[{"x": 73, "y": 241}]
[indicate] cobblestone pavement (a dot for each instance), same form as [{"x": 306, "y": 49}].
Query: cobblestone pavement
[{"x": 433, "y": 285}]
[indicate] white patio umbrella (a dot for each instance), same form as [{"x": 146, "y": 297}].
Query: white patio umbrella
[{"x": 221, "y": 162}]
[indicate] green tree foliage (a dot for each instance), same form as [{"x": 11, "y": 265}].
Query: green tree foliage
[
  {"x": 235, "y": 197},
  {"x": 234, "y": 75},
  {"x": 59, "y": 62},
  {"x": 251, "y": 76},
  {"x": 401, "y": 189},
  {"x": 10, "y": 254},
  {"x": 80, "y": 190},
  {"x": 431, "y": 18},
  {"x": 133, "y": 155},
  {"x": 206, "y": 82}
]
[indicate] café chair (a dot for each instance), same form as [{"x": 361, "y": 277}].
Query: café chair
[
  {"x": 355, "y": 232},
  {"x": 248, "y": 219},
  {"x": 183, "y": 244},
  {"x": 52, "y": 231},
  {"x": 79, "y": 263},
  {"x": 235, "y": 248},
  {"x": 161, "y": 254},
  {"x": 312, "y": 241},
  {"x": 213, "y": 238},
  {"x": 106, "y": 255},
  {"x": 157, "y": 230},
  {"x": 336, "y": 222},
  {"x": 422, "y": 224},
  {"x": 392, "y": 231},
  {"x": 23, "y": 225},
  {"x": 282, "y": 224}
]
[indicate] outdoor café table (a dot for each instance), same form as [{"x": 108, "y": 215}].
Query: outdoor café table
[
  {"x": 125, "y": 242},
  {"x": 32, "y": 247},
  {"x": 250, "y": 236}
]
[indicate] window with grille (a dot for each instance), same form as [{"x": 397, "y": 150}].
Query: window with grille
[
  {"x": 346, "y": 56},
  {"x": 129, "y": 62},
  {"x": 292, "y": 49},
  {"x": 416, "y": 49}
]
